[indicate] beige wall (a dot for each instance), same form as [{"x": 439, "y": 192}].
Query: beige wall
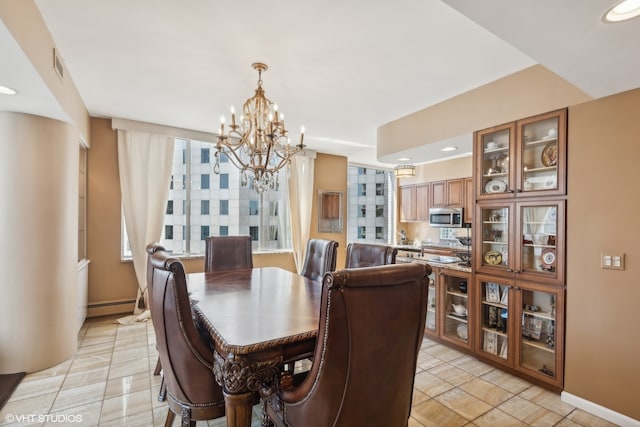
[
  {"x": 113, "y": 281},
  {"x": 39, "y": 228},
  {"x": 603, "y": 337}
]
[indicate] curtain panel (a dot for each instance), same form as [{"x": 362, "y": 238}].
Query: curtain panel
[{"x": 144, "y": 162}]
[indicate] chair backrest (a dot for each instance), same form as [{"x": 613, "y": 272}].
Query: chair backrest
[
  {"x": 371, "y": 329},
  {"x": 320, "y": 258},
  {"x": 152, "y": 248},
  {"x": 369, "y": 255},
  {"x": 187, "y": 360},
  {"x": 228, "y": 253}
]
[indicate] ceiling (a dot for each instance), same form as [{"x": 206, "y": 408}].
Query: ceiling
[{"x": 341, "y": 69}]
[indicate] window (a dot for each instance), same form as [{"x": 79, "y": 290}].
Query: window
[
  {"x": 197, "y": 208},
  {"x": 253, "y": 207},
  {"x": 379, "y": 233},
  {"x": 204, "y": 207},
  {"x": 253, "y": 232},
  {"x": 204, "y": 232},
  {"x": 224, "y": 180},
  {"x": 204, "y": 155},
  {"x": 362, "y": 232},
  {"x": 370, "y": 228},
  {"x": 224, "y": 207}
]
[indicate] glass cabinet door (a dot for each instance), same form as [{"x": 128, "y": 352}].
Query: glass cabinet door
[
  {"x": 493, "y": 148},
  {"x": 538, "y": 351},
  {"x": 494, "y": 317},
  {"x": 493, "y": 235},
  {"x": 541, "y": 242},
  {"x": 455, "y": 308},
  {"x": 541, "y": 148},
  {"x": 432, "y": 300}
]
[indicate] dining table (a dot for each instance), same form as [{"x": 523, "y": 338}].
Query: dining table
[{"x": 258, "y": 319}]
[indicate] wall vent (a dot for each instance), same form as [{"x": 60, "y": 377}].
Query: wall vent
[{"x": 57, "y": 64}]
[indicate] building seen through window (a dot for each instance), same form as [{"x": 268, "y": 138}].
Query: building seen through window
[
  {"x": 369, "y": 197},
  {"x": 206, "y": 204}
]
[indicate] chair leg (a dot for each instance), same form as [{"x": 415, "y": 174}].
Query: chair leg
[
  {"x": 158, "y": 368},
  {"x": 170, "y": 417},
  {"x": 162, "y": 396}
]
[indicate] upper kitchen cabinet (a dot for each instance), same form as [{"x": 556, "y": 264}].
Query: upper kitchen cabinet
[
  {"x": 414, "y": 202},
  {"x": 526, "y": 158},
  {"x": 449, "y": 193}
]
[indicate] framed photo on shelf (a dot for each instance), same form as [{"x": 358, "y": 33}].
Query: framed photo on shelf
[
  {"x": 504, "y": 349},
  {"x": 532, "y": 327},
  {"x": 490, "y": 344},
  {"x": 505, "y": 296},
  {"x": 493, "y": 292}
]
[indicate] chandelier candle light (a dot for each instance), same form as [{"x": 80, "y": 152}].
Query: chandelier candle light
[{"x": 259, "y": 143}]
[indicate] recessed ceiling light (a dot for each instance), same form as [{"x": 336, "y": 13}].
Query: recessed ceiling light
[
  {"x": 4, "y": 90},
  {"x": 449, "y": 149},
  {"x": 404, "y": 159},
  {"x": 624, "y": 10}
]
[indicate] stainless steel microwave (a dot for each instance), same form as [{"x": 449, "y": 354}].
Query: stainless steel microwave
[{"x": 445, "y": 217}]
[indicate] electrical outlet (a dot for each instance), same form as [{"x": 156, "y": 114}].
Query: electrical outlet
[{"x": 613, "y": 262}]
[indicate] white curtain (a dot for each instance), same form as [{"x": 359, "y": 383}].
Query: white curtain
[
  {"x": 300, "y": 202},
  {"x": 144, "y": 162}
]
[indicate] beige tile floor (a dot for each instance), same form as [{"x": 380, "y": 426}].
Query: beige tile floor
[{"x": 110, "y": 382}]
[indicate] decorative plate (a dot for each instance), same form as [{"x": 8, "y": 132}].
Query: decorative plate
[
  {"x": 495, "y": 186},
  {"x": 493, "y": 258},
  {"x": 548, "y": 257},
  {"x": 550, "y": 154}
]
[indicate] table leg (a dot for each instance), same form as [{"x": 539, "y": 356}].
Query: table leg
[{"x": 238, "y": 409}]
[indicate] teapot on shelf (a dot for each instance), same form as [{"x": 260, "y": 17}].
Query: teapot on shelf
[{"x": 459, "y": 309}]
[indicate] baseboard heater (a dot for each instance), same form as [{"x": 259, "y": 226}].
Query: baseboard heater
[{"x": 110, "y": 307}]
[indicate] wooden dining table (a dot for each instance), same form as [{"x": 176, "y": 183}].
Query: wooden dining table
[{"x": 259, "y": 319}]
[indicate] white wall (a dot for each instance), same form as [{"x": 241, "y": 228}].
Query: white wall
[{"x": 39, "y": 243}]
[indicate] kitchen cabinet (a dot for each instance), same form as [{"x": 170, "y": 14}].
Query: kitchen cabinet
[
  {"x": 456, "y": 309},
  {"x": 469, "y": 201},
  {"x": 521, "y": 240},
  {"x": 521, "y": 326},
  {"x": 407, "y": 203},
  {"x": 423, "y": 192},
  {"x": 432, "y": 322},
  {"x": 449, "y": 193},
  {"x": 526, "y": 158}
]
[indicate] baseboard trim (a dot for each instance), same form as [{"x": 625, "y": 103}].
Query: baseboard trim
[{"x": 599, "y": 410}]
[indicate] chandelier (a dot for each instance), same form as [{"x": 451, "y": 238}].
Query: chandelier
[
  {"x": 258, "y": 144},
  {"x": 404, "y": 171}
]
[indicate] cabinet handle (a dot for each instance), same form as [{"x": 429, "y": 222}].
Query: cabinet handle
[
  {"x": 517, "y": 271},
  {"x": 509, "y": 270}
]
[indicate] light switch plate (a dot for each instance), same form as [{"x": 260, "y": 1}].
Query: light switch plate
[{"x": 612, "y": 261}]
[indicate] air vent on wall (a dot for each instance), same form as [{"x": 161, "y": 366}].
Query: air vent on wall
[{"x": 57, "y": 64}]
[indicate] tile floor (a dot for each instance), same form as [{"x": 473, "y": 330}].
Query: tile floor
[{"x": 110, "y": 382}]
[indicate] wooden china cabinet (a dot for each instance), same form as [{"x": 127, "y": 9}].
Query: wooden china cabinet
[{"x": 519, "y": 245}]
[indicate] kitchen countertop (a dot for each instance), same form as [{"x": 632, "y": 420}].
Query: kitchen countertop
[{"x": 432, "y": 261}]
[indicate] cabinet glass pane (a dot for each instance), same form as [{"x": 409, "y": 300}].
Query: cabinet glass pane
[
  {"x": 538, "y": 337},
  {"x": 495, "y": 162},
  {"x": 540, "y": 155},
  {"x": 432, "y": 300},
  {"x": 495, "y": 317},
  {"x": 538, "y": 250},
  {"x": 495, "y": 237},
  {"x": 456, "y": 304}
]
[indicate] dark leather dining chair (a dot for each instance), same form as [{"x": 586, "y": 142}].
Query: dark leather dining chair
[
  {"x": 320, "y": 258},
  {"x": 186, "y": 357},
  {"x": 370, "y": 331},
  {"x": 151, "y": 249},
  {"x": 369, "y": 255},
  {"x": 227, "y": 253}
]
